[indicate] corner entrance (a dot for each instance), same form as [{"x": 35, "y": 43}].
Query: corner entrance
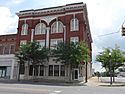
[{"x": 76, "y": 74}]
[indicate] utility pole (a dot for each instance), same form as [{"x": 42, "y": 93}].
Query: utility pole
[
  {"x": 110, "y": 69},
  {"x": 86, "y": 63}
]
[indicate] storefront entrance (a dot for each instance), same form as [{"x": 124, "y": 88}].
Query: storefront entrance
[{"x": 2, "y": 71}]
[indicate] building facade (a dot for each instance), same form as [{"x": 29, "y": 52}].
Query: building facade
[
  {"x": 49, "y": 26},
  {"x": 8, "y": 65}
]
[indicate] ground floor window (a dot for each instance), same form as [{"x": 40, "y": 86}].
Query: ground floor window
[
  {"x": 31, "y": 70},
  {"x": 53, "y": 70},
  {"x": 50, "y": 70},
  {"x": 56, "y": 70},
  {"x": 3, "y": 71},
  {"x": 22, "y": 68},
  {"x": 36, "y": 70},
  {"x": 62, "y": 73},
  {"x": 41, "y": 70}
]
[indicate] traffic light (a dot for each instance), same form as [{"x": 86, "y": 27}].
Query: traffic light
[{"x": 123, "y": 30}]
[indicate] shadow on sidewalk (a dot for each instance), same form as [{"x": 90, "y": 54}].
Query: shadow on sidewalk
[{"x": 33, "y": 82}]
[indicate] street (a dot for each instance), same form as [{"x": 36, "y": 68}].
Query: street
[{"x": 15, "y": 88}]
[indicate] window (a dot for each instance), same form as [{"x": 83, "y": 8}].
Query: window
[
  {"x": 22, "y": 68},
  {"x": 31, "y": 70},
  {"x": 74, "y": 39},
  {"x": 54, "y": 42},
  {"x": 62, "y": 70},
  {"x": 6, "y": 49},
  {"x": 12, "y": 49},
  {"x": 74, "y": 25},
  {"x": 36, "y": 70},
  {"x": 56, "y": 70},
  {"x": 57, "y": 27},
  {"x": 1, "y": 49},
  {"x": 22, "y": 42},
  {"x": 41, "y": 70},
  {"x": 50, "y": 70},
  {"x": 41, "y": 43},
  {"x": 40, "y": 29},
  {"x": 24, "y": 29}
]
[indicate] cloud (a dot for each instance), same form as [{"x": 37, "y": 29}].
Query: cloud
[
  {"x": 16, "y": 1},
  {"x": 8, "y": 22},
  {"x": 97, "y": 67}
]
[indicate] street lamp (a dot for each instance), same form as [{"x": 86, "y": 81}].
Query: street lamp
[{"x": 110, "y": 69}]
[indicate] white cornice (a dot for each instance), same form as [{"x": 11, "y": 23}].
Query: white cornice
[
  {"x": 50, "y": 17},
  {"x": 51, "y": 11}
]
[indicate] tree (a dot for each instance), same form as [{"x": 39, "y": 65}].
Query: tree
[
  {"x": 116, "y": 59},
  {"x": 71, "y": 54},
  {"x": 33, "y": 54}
]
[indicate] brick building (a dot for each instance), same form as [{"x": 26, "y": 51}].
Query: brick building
[{"x": 49, "y": 26}]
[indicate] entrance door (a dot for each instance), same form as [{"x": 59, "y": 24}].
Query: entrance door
[
  {"x": 2, "y": 72},
  {"x": 76, "y": 74}
]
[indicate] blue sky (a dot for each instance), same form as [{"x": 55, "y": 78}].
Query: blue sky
[{"x": 105, "y": 16}]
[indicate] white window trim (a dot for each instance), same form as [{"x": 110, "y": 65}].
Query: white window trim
[
  {"x": 73, "y": 23},
  {"x": 74, "y": 39},
  {"x": 23, "y": 42},
  {"x": 39, "y": 25},
  {"x": 57, "y": 27},
  {"x": 42, "y": 42},
  {"x": 24, "y": 30},
  {"x": 55, "y": 41}
]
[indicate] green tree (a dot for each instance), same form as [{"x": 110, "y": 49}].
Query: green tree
[
  {"x": 112, "y": 61},
  {"x": 32, "y": 53},
  {"x": 71, "y": 54}
]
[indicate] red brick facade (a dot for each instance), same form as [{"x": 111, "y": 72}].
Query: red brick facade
[
  {"x": 64, "y": 14},
  {"x": 49, "y": 26},
  {"x": 48, "y": 16}
]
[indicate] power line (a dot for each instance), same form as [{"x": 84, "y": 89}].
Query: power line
[{"x": 108, "y": 34}]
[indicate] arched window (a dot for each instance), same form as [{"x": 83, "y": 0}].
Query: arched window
[
  {"x": 24, "y": 29},
  {"x": 40, "y": 29},
  {"x": 57, "y": 27},
  {"x": 74, "y": 25}
]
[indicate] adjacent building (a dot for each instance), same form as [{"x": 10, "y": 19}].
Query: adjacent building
[{"x": 48, "y": 26}]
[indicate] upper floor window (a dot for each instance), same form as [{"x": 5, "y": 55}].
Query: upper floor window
[
  {"x": 6, "y": 48},
  {"x": 12, "y": 48},
  {"x": 24, "y": 29},
  {"x": 74, "y": 25},
  {"x": 1, "y": 49},
  {"x": 57, "y": 27},
  {"x": 54, "y": 42},
  {"x": 40, "y": 29},
  {"x": 23, "y": 42},
  {"x": 74, "y": 39},
  {"x": 41, "y": 43}
]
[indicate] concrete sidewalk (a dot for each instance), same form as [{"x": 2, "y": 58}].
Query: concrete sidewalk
[
  {"x": 93, "y": 81},
  {"x": 102, "y": 81},
  {"x": 45, "y": 82}
]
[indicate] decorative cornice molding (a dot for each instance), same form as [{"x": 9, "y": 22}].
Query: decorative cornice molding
[{"x": 57, "y": 10}]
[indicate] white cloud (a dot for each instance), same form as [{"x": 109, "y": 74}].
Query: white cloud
[
  {"x": 17, "y": 1},
  {"x": 8, "y": 23},
  {"x": 97, "y": 67}
]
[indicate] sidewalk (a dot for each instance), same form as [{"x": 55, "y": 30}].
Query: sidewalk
[
  {"x": 93, "y": 82},
  {"x": 102, "y": 81},
  {"x": 48, "y": 82}
]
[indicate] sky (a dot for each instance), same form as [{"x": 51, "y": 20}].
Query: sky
[{"x": 105, "y": 18}]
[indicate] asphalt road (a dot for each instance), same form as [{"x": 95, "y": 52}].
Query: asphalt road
[{"x": 15, "y": 88}]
